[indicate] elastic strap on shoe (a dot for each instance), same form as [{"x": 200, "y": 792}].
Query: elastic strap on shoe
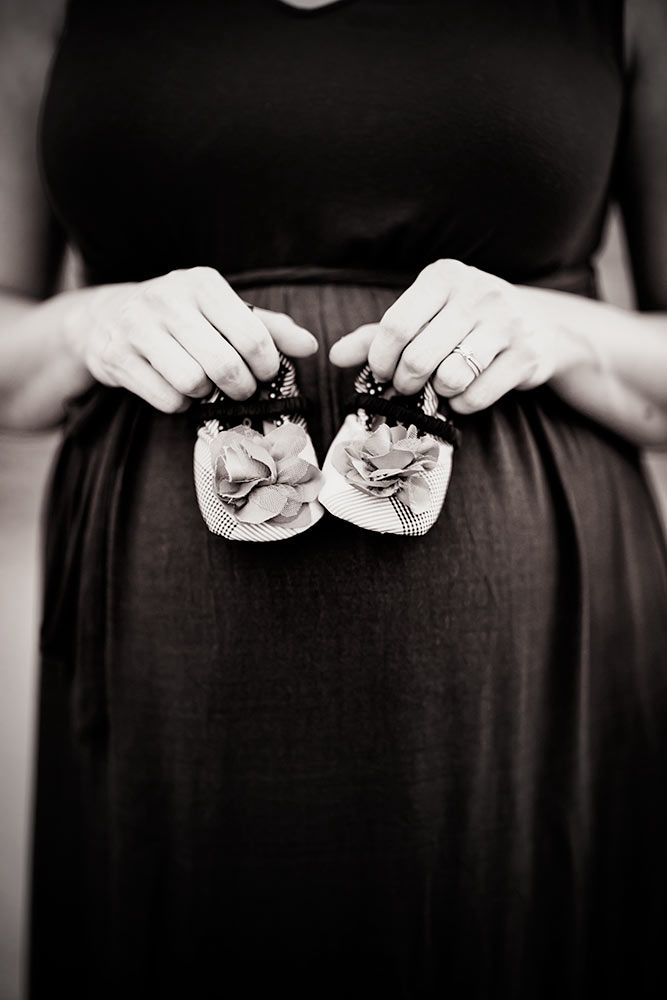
[
  {"x": 440, "y": 427},
  {"x": 229, "y": 410}
]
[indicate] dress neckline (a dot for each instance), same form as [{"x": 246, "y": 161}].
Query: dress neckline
[{"x": 309, "y": 5}]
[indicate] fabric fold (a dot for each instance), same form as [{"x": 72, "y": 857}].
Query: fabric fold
[{"x": 83, "y": 508}]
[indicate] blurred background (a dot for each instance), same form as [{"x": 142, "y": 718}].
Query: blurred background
[{"x": 24, "y": 466}]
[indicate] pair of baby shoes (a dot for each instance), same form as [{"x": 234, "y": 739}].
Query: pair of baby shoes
[{"x": 257, "y": 477}]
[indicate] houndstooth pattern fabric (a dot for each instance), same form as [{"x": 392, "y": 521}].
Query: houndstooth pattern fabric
[
  {"x": 387, "y": 515},
  {"x": 218, "y": 516}
]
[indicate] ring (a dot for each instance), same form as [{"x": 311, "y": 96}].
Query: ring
[{"x": 470, "y": 359}]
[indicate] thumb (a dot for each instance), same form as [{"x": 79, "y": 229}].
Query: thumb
[
  {"x": 352, "y": 349},
  {"x": 290, "y": 338}
]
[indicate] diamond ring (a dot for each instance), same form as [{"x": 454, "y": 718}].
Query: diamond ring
[{"x": 470, "y": 359}]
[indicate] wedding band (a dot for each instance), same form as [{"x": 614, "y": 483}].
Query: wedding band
[{"x": 470, "y": 359}]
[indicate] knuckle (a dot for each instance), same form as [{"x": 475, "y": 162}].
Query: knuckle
[
  {"x": 204, "y": 277},
  {"x": 492, "y": 297},
  {"x": 477, "y": 397},
  {"x": 173, "y": 277},
  {"x": 435, "y": 270},
  {"x": 254, "y": 344},
  {"x": 217, "y": 373},
  {"x": 415, "y": 366},
  {"x": 172, "y": 286},
  {"x": 129, "y": 314},
  {"x": 503, "y": 337},
  {"x": 525, "y": 354},
  {"x": 531, "y": 368},
  {"x": 451, "y": 384},
  {"x": 517, "y": 326},
  {"x": 394, "y": 327},
  {"x": 231, "y": 375},
  {"x": 114, "y": 352},
  {"x": 170, "y": 403},
  {"x": 217, "y": 378},
  {"x": 191, "y": 381},
  {"x": 154, "y": 295},
  {"x": 445, "y": 268},
  {"x": 154, "y": 302}
]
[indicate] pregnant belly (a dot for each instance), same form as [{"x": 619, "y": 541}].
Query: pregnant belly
[{"x": 313, "y": 729}]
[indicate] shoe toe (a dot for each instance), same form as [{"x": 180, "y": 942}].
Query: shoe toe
[
  {"x": 389, "y": 479},
  {"x": 277, "y": 469}
]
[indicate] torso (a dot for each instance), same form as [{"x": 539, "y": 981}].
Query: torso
[
  {"x": 370, "y": 136},
  {"x": 347, "y": 764}
]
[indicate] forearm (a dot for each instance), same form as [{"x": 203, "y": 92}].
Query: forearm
[
  {"x": 38, "y": 370},
  {"x": 612, "y": 363}
]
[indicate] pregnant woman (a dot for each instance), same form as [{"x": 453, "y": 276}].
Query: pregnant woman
[{"x": 346, "y": 763}]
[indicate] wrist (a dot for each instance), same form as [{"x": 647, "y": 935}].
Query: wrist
[
  {"x": 83, "y": 310},
  {"x": 76, "y": 322},
  {"x": 573, "y": 344},
  {"x": 575, "y": 350}
]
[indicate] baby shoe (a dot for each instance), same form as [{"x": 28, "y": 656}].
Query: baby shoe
[
  {"x": 256, "y": 473},
  {"x": 389, "y": 466}
]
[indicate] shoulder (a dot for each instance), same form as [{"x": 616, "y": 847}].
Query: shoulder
[
  {"x": 35, "y": 17},
  {"x": 645, "y": 33},
  {"x": 30, "y": 27},
  {"x": 29, "y": 34}
]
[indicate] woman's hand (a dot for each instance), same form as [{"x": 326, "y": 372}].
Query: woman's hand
[
  {"x": 174, "y": 337},
  {"x": 453, "y": 305}
]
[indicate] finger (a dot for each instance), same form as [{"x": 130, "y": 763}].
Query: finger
[
  {"x": 290, "y": 338},
  {"x": 141, "y": 378},
  {"x": 432, "y": 289},
  {"x": 239, "y": 325},
  {"x": 423, "y": 354},
  {"x": 352, "y": 349},
  {"x": 505, "y": 373},
  {"x": 173, "y": 362},
  {"x": 221, "y": 362},
  {"x": 454, "y": 374}
]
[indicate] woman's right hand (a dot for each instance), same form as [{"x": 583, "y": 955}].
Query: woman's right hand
[{"x": 170, "y": 339}]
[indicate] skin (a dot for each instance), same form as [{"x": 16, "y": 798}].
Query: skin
[
  {"x": 171, "y": 338},
  {"x": 609, "y": 363},
  {"x": 176, "y": 336},
  {"x": 309, "y": 4}
]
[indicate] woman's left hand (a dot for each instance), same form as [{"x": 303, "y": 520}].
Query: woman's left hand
[{"x": 451, "y": 305}]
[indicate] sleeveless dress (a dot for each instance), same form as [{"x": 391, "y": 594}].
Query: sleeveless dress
[{"x": 347, "y": 764}]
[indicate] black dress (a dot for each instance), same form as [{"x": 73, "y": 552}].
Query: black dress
[{"x": 347, "y": 764}]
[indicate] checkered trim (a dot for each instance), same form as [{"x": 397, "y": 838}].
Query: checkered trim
[
  {"x": 384, "y": 514},
  {"x": 387, "y": 515},
  {"x": 220, "y": 517}
]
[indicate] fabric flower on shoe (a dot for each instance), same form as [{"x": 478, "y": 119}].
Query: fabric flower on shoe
[
  {"x": 390, "y": 462},
  {"x": 263, "y": 477}
]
